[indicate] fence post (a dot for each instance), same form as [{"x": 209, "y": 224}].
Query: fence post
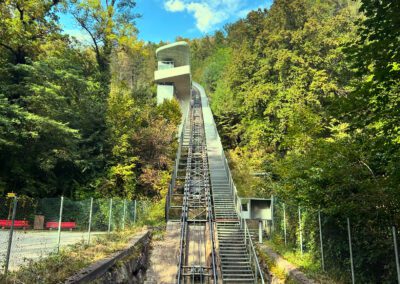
[
  {"x": 272, "y": 215},
  {"x": 320, "y": 240},
  {"x": 301, "y": 232},
  {"x": 123, "y": 215},
  {"x": 260, "y": 232},
  {"x": 351, "y": 252},
  {"x": 59, "y": 223},
  {"x": 284, "y": 223},
  {"x": 110, "y": 215},
  {"x": 134, "y": 212},
  {"x": 245, "y": 235},
  {"x": 90, "y": 219},
  {"x": 10, "y": 237},
  {"x": 396, "y": 254},
  {"x": 255, "y": 269}
]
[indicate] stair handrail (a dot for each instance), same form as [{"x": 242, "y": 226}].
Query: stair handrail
[{"x": 251, "y": 250}]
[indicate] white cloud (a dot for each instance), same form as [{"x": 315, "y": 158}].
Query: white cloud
[
  {"x": 174, "y": 5},
  {"x": 205, "y": 16},
  {"x": 82, "y": 36},
  {"x": 207, "y": 13},
  {"x": 243, "y": 13}
]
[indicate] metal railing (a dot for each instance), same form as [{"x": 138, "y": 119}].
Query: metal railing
[
  {"x": 259, "y": 276},
  {"x": 248, "y": 241},
  {"x": 31, "y": 228},
  {"x": 175, "y": 170},
  {"x": 184, "y": 216},
  {"x": 164, "y": 65},
  {"x": 252, "y": 253}
]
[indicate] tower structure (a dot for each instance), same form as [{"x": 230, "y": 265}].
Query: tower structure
[{"x": 173, "y": 75}]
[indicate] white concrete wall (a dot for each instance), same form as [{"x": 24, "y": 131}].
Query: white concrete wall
[
  {"x": 164, "y": 92},
  {"x": 171, "y": 73}
]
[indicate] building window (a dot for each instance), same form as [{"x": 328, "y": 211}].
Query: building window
[{"x": 244, "y": 207}]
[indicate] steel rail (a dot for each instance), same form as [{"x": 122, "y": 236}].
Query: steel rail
[
  {"x": 184, "y": 215},
  {"x": 175, "y": 170},
  {"x": 197, "y": 177}
]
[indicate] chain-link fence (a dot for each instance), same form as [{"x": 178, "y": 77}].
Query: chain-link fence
[
  {"x": 33, "y": 228},
  {"x": 360, "y": 248}
]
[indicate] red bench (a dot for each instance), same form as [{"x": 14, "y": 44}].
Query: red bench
[
  {"x": 17, "y": 224},
  {"x": 64, "y": 225}
]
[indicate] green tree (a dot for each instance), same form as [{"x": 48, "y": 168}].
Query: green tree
[
  {"x": 107, "y": 23},
  {"x": 25, "y": 26}
]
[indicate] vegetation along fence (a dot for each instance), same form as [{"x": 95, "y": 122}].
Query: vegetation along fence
[
  {"x": 33, "y": 228},
  {"x": 363, "y": 245}
]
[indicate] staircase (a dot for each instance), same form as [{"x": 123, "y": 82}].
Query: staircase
[
  {"x": 235, "y": 261},
  {"x": 233, "y": 254}
]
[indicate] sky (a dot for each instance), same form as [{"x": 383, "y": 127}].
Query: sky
[{"x": 166, "y": 19}]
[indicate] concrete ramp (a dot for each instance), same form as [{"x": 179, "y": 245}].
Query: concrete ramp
[{"x": 163, "y": 265}]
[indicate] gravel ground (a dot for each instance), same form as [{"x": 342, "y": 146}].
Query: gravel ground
[{"x": 35, "y": 244}]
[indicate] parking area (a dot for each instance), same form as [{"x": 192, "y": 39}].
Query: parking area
[{"x": 28, "y": 245}]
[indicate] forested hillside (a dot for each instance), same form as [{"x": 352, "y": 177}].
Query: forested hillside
[
  {"x": 306, "y": 98},
  {"x": 80, "y": 120}
]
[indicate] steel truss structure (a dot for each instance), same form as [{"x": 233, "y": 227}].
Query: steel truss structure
[{"x": 197, "y": 259}]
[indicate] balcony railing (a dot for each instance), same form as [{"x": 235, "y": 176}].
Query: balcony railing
[{"x": 163, "y": 65}]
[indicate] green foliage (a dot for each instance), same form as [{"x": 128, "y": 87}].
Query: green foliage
[
  {"x": 50, "y": 118},
  {"x": 170, "y": 110},
  {"x": 214, "y": 67},
  {"x": 107, "y": 23},
  {"x": 309, "y": 96},
  {"x": 25, "y": 26},
  {"x": 143, "y": 141},
  {"x": 79, "y": 121}
]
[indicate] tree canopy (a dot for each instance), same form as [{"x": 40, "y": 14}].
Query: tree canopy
[
  {"x": 307, "y": 93},
  {"x": 73, "y": 117}
]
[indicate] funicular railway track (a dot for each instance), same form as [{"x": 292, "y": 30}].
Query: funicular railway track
[
  {"x": 205, "y": 225},
  {"x": 197, "y": 259},
  {"x": 215, "y": 244}
]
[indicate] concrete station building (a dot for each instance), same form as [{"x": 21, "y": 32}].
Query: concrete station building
[{"x": 173, "y": 76}]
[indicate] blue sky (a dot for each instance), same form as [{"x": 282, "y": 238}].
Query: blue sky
[{"x": 167, "y": 19}]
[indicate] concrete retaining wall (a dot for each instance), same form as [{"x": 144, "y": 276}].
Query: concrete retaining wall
[{"x": 126, "y": 266}]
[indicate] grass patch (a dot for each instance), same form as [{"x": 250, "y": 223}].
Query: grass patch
[
  {"x": 305, "y": 262},
  {"x": 55, "y": 268},
  {"x": 271, "y": 265},
  {"x": 155, "y": 216},
  {"x": 277, "y": 272}
]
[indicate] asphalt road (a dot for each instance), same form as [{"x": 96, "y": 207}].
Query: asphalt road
[{"x": 35, "y": 244}]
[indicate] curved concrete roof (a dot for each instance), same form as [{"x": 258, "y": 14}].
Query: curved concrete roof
[{"x": 178, "y": 52}]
